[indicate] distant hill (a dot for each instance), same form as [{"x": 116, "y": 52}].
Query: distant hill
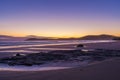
[
  {"x": 5, "y": 36},
  {"x": 29, "y": 37},
  {"x": 11, "y": 38},
  {"x": 39, "y": 37},
  {"x": 98, "y": 37},
  {"x": 89, "y": 37},
  {"x": 34, "y": 38}
]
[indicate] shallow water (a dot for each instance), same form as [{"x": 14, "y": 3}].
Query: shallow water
[
  {"x": 13, "y": 47},
  {"x": 37, "y": 46}
]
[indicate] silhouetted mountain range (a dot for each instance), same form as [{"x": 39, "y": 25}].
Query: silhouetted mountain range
[
  {"x": 98, "y": 37},
  {"x": 11, "y": 38},
  {"x": 34, "y": 38},
  {"x": 29, "y": 37},
  {"x": 88, "y": 37}
]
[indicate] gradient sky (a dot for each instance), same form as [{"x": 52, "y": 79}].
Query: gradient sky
[{"x": 59, "y": 18}]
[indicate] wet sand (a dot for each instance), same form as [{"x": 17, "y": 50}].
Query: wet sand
[{"x": 107, "y": 70}]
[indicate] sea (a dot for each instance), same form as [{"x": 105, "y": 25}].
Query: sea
[
  {"x": 8, "y": 48},
  {"x": 42, "y": 45}
]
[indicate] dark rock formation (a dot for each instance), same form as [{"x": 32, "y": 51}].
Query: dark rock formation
[
  {"x": 80, "y": 46},
  {"x": 64, "y": 55}
]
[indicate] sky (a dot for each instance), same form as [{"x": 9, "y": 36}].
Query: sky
[{"x": 59, "y": 18}]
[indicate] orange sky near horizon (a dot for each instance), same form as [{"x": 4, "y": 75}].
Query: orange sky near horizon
[
  {"x": 61, "y": 18},
  {"x": 57, "y": 27}
]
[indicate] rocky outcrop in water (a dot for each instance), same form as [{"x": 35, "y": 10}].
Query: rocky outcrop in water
[{"x": 60, "y": 55}]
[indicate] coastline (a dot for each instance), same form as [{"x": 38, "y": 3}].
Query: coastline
[
  {"x": 102, "y": 70},
  {"x": 4, "y": 52},
  {"x": 88, "y": 46}
]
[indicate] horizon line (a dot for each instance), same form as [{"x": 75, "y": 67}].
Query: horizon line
[{"x": 59, "y": 37}]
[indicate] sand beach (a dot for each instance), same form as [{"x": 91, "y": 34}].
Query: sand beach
[{"x": 107, "y": 70}]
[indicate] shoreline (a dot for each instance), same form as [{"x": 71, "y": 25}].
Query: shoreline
[
  {"x": 46, "y": 67},
  {"x": 10, "y": 51},
  {"x": 58, "y": 66},
  {"x": 107, "y": 70},
  {"x": 50, "y": 68}
]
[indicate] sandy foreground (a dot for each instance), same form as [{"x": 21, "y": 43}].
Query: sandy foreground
[{"x": 106, "y": 70}]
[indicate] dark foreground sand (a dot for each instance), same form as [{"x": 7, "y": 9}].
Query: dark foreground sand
[{"x": 107, "y": 70}]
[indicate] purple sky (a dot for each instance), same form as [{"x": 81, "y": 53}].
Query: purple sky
[{"x": 59, "y": 18}]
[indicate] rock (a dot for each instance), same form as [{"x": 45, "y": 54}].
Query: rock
[
  {"x": 65, "y": 55},
  {"x": 11, "y": 63},
  {"x": 27, "y": 64},
  {"x": 18, "y": 54},
  {"x": 80, "y": 46}
]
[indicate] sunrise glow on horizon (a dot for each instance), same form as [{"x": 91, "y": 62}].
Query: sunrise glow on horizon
[{"x": 59, "y": 18}]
